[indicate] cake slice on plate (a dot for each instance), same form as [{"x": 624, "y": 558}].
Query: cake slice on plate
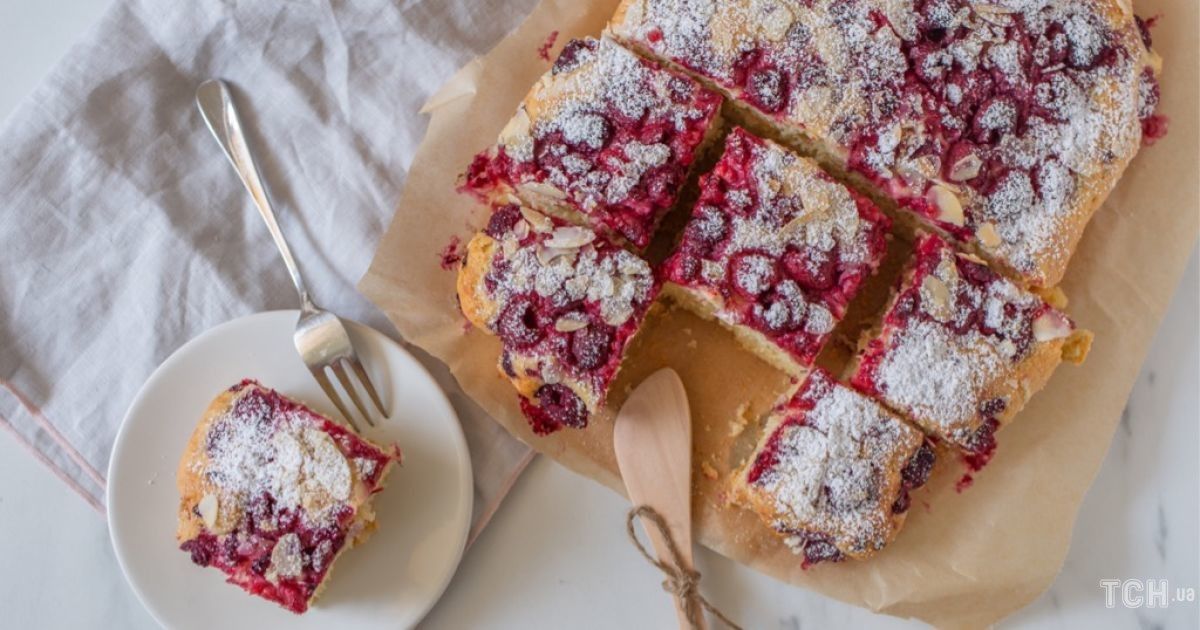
[
  {"x": 1004, "y": 124},
  {"x": 605, "y": 139},
  {"x": 833, "y": 471},
  {"x": 271, "y": 493},
  {"x": 564, "y": 302},
  {"x": 775, "y": 250},
  {"x": 960, "y": 349}
]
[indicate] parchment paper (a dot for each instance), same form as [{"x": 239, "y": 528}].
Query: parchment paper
[{"x": 964, "y": 559}]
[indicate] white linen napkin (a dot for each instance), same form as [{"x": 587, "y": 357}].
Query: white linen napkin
[{"x": 124, "y": 232}]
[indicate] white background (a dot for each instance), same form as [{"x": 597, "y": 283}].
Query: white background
[{"x": 556, "y": 552}]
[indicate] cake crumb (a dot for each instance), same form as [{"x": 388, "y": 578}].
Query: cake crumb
[
  {"x": 965, "y": 482},
  {"x": 708, "y": 470},
  {"x": 544, "y": 50},
  {"x": 451, "y": 255},
  {"x": 740, "y": 420}
]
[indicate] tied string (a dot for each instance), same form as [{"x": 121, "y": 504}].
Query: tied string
[{"x": 681, "y": 581}]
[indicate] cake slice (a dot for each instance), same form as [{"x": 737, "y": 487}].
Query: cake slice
[
  {"x": 775, "y": 250},
  {"x": 960, "y": 349},
  {"x": 1004, "y": 124},
  {"x": 833, "y": 471},
  {"x": 564, "y": 302},
  {"x": 271, "y": 493},
  {"x": 605, "y": 139}
]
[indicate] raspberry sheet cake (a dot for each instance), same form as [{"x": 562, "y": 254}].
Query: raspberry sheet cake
[
  {"x": 271, "y": 493},
  {"x": 833, "y": 471},
  {"x": 775, "y": 249},
  {"x": 605, "y": 138},
  {"x": 1004, "y": 124},
  {"x": 564, "y": 302},
  {"x": 961, "y": 349}
]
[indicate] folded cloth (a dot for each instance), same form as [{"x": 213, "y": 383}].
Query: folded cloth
[{"x": 124, "y": 233}]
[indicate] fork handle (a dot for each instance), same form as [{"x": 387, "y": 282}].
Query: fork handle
[{"x": 216, "y": 106}]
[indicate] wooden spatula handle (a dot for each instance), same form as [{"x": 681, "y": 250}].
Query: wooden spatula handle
[{"x": 662, "y": 550}]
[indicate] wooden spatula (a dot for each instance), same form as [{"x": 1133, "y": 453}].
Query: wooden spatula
[{"x": 653, "y": 442}]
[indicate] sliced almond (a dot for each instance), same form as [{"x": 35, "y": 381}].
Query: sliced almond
[
  {"x": 947, "y": 271},
  {"x": 983, "y": 7},
  {"x": 517, "y": 127},
  {"x": 537, "y": 220},
  {"x": 543, "y": 190},
  {"x": 208, "y": 507},
  {"x": 509, "y": 247},
  {"x": 287, "y": 560},
  {"x": 994, "y": 14},
  {"x": 987, "y": 235},
  {"x": 948, "y": 206},
  {"x": 935, "y": 299},
  {"x": 618, "y": 315},
  {"x": 967, "y": 167},
  {"x": 567, "y": 323},
  {"x": 1051, "y": 325},
  {"x": 577, "y": 285},
  {"x": 521, "y": 230},
  {"x": 569, "y": 237},
  {"x": 777, "y": 23},
  {"x": 547, "y": 255},
  {"x": 797, "y": 222}
]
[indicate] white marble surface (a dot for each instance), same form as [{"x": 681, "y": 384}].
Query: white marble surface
[{"x": 556, "y": 553}]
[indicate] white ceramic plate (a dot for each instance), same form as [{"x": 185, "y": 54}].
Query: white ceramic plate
[{"x": 390, "y": 581}]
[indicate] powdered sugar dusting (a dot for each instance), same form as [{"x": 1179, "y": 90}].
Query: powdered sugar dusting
[
  {"x": 564, "y": 301},
  {"x": 940, "y": 377},
  {"x": 799, "y": 206},
  {"x": 779, "y": 242},
  {"x": 608, "y": 130},
  {"x": 832, "y": 463},
  {"x": 616, "y": 280},
  {"x": 951, "y": 343},
  {"x": 903, "y": 92},
  {"x": 252, "y": 452}
]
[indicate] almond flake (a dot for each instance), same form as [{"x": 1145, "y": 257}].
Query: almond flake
[
  {"x": 935, "y": 299},
  {"x": 1051, "y": 325},
  {"x": 570, "y": 324},
  {"x": 547, "y": 255},
  {"x": 540, "y": 189},
  {"x": 618, "y": 316},
  {"x": 521, "y": 230},
  {"x": 537, "y": 220},
  {"x": 988, "y": 236},
  {"x": 777, "y": 23},
  {"x": 570, "y": 237},
  {"x": 208, "y": 509},
  {"x": 517, "y": 129},
  {"x": 949, "y": 208},
  {"x": 967, "y": 167}
]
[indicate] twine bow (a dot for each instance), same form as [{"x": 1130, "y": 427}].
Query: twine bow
[{"x": 681, "y": 581}]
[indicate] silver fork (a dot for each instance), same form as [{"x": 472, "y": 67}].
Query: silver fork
[{"x": 320, "y": 337}]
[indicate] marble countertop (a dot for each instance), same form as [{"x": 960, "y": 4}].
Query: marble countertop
[{"x": 563, "y": 536}]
